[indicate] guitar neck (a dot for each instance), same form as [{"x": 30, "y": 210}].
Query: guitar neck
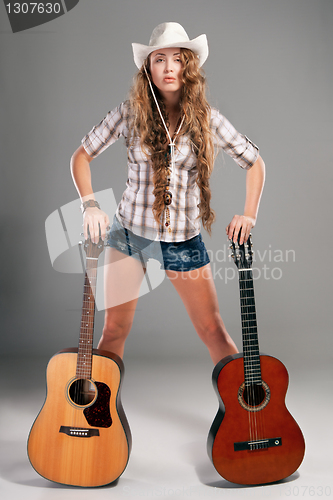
[
  {"x": 84, "y": 358},
  {"x": 252, "y": 370}
]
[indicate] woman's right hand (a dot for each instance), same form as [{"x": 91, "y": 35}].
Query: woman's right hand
[{"x": 95, "y": 223}]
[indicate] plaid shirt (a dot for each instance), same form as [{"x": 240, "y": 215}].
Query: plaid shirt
[{"x": 135, "y": 208}]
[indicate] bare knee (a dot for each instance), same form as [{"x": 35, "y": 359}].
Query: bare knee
[
  {"x": 115, "y": 330},
  {"x": 213, "y": 330}
]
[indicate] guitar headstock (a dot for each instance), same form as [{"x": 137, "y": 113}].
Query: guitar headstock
[
  {"x": 242, "y": 254},
  {"x": 93, "y": 250}
]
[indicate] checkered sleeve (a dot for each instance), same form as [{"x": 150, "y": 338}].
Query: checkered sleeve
[
  {"x": 236, "y": 145},
  {"x": 107, "y": 131}
]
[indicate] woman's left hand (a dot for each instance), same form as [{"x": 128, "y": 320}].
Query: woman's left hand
[{"x": 242, "y": 224}]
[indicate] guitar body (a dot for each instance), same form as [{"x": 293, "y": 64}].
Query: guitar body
[
  {"x": 75, "y": 441},
  {"x": 254, "y": 444}
]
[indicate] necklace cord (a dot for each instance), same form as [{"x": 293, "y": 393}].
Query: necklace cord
[{"x": 172, "y": 142}]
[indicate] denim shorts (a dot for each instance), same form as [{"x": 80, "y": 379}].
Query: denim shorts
[{"x": 180, "y": 256}]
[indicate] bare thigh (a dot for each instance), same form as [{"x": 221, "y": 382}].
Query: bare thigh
[
  {"x": 123, "y": 277},
  {"x": 197, "y": 290},
  {"x": 198, "y": 293}
]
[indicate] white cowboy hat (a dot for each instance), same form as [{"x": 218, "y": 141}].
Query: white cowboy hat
[{"x": 170, "y": 35}]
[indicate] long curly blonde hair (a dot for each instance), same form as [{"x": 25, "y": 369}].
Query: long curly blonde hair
[{"x": 146, "y": 123}]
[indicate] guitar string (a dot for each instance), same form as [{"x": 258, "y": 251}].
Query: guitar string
[
  {"x": 80, "y": 348},
  {"x": 90, "y": 322},
  {"x": 84, "y": 357},
  {"x": 249, "y": 363},
  {"x": 244, "y": 319},
  {"x": 254, "y": 359},
  {"x": 85, "y": 337},
  {"x": 252, "y": 390},
  {"x": 252, "y": 386},
  {"x": 76, "y": 379},
  {"x": 255, "y": 363},
  {"x": 92, "y": 292},
  {"x": 260, "y": 414},
  {"x": 257, "y": 387},
  {"x": 78, "y": 365}
]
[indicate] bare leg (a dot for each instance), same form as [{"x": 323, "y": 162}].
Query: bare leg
[
  {"x": 198, "y": 293},
  {"x": 123, "y": 278}
]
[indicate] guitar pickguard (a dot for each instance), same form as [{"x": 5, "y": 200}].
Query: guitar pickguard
[{"x": 98, "y": 414}]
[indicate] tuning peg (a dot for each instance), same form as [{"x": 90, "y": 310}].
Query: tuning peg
[{"x": 232, "y": 255}]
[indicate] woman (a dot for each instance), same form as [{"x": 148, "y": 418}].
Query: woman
[{"x": 170, "y": 133}]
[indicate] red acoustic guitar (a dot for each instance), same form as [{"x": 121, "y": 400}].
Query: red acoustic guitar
[
  {"x": 81, "y": 436},
  {"x": 253, "y": 439}
]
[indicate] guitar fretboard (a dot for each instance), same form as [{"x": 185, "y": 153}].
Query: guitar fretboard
[
  {"x": 84, "y": 358},
  {"x": 252, "y": 370}
]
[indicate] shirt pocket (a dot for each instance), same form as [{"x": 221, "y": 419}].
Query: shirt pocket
[{"x": 184, "y": 155}]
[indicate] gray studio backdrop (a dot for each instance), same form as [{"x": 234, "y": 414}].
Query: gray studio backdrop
[{"x": 269, "y": 71}]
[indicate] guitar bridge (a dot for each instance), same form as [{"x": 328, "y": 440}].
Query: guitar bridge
[
  {"x": 79, "y": 431},
  {"x": 258, "y": 444}
]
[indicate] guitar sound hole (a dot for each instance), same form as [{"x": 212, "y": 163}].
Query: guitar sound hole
[
  {"x": 82, "y": 392},
  {"x": 254, "y": 395}
]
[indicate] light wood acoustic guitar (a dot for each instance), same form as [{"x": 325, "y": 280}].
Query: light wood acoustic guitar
[
  {"x": 81, "y": 436},
  {"x": 253, "y": 439}
]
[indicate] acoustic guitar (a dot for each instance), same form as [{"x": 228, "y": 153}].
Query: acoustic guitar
[
  {"x": 253, "y": 438},
  {"x": 81, "y": 436}
]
